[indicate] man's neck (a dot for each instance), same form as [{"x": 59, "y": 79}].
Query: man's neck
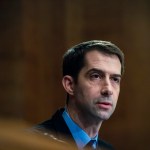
[{"x": 89, "y": 125}]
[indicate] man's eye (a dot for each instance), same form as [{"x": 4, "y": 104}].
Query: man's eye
[
  {"x": 115, "y": 79},
  {"x": 95, "y": 76}
]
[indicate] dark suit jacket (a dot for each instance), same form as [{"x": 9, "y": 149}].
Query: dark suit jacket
[{"x": 56, "y": 128}]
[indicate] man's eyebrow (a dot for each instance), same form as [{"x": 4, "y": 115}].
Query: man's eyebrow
[
  {"x": 117, "y": 75},
  {"x": 95, "y": 70},
  {"x": 102, "y": 72}
]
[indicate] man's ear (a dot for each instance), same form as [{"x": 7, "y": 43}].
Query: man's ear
[{"x": 68, "y": 84}]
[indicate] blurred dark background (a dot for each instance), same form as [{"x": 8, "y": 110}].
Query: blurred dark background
[{"x": 34, "y": 34}]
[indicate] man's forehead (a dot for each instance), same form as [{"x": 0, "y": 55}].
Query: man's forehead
[{"x": 106, "y": 62}]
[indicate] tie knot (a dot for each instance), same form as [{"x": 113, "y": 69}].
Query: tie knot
[{"x": 91, "y": 145}]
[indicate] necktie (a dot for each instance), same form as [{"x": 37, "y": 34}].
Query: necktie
[{"x": 90, "y": 145}]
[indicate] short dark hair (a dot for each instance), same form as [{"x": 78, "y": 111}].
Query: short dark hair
[{"x": 73, "y": 59}]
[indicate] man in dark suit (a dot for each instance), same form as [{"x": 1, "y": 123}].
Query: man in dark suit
[{"x": 92, "y": 73}]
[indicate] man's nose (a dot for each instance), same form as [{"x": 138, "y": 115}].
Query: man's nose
[{"x": 106, "y": 89}]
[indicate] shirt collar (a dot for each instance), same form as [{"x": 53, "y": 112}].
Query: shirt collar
[{"x": 80, "y": 136}]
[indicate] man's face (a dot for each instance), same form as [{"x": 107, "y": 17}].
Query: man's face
[{"x": 97, "y": 89}]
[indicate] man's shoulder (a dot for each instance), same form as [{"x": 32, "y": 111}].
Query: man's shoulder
[
  {"x": 104, "y": 145},
  {"x": 55, "y": 127},
  {"x": 51, "y": 124}
]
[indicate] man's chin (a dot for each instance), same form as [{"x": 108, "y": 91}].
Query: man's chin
[{"x": 104, "y": 116}]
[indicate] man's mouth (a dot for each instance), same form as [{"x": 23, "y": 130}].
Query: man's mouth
[{"x": 104, "y": 105}]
